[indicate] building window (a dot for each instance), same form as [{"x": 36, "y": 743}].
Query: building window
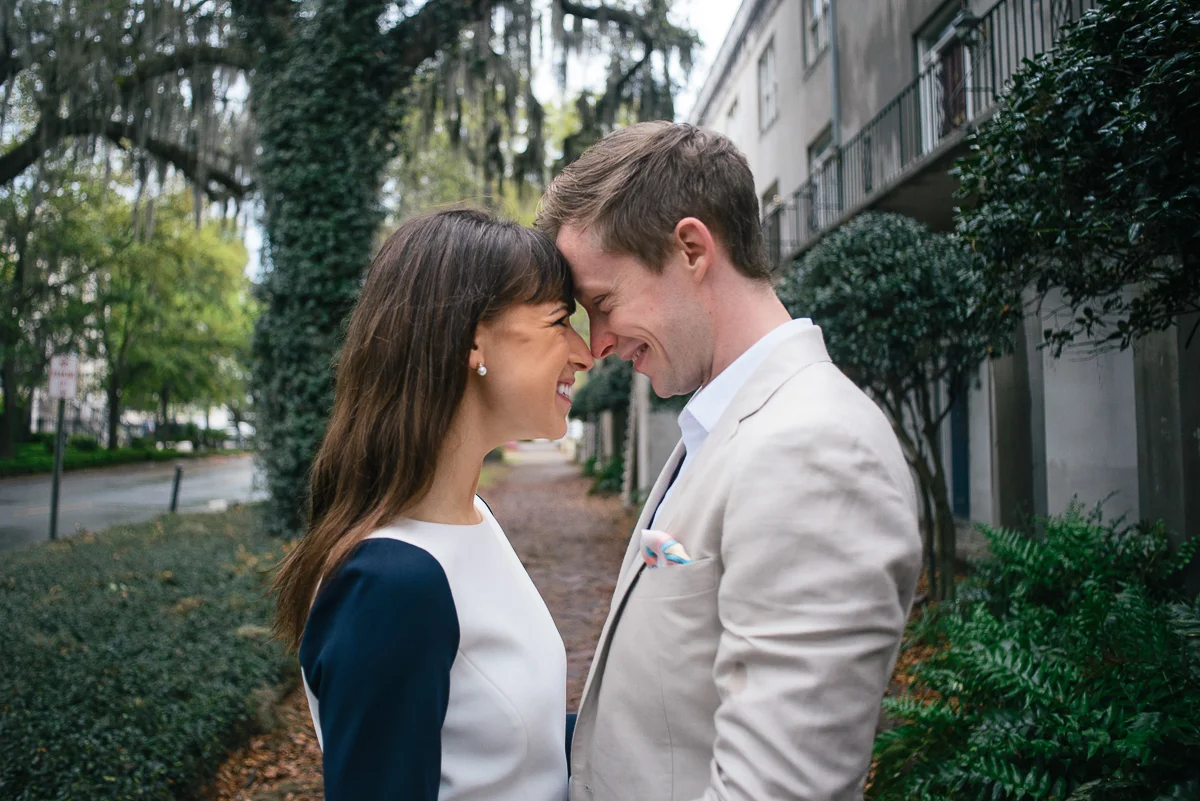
[
  {"x": 944, "y": 81},
  {"x": 772, "y": 211},
  {"x": 768, "y": 90},
  {"x": 816, "y": 29},
  {"x": 824, "y": 200}
]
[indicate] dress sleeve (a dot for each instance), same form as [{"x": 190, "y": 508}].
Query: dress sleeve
[{"x": 376, "y": 655}]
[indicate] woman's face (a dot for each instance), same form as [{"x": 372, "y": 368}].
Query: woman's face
[{"x": 532, "y": 354}]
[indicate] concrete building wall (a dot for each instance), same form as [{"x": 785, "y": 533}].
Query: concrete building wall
[{"x": 778, "y": 152}]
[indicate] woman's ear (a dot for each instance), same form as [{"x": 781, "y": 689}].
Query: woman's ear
[{"x": 478, "y": 353}]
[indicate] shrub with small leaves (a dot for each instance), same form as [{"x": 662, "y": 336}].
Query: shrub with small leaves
[
  {"x": 1069, "y": 669},
  {"x": 135, "y": 658}
]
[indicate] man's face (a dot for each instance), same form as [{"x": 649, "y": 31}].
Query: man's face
[{"x": 655, "y": 321}]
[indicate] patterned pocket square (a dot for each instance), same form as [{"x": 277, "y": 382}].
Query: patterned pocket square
[{"x": 659, "y": 549}]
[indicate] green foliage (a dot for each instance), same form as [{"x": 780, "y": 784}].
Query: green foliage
[
  {"x": 46, "y": 250},
  {"x": 134, "y": 659},
  {"x": 38, "y": 458},
  {"x": 43, "y": 438},
  {"x": 609, "y": 479},
  {"x": 589, "y": 466},
  {"x": 906, "y": 316},
  {"x": 608, "y": 387},
  {"x": 171, "y": 306},
  {"x": 1088, "y": 178},
  {"x": 83, "y": 442},
  {"x": 1068, "y": 669}
]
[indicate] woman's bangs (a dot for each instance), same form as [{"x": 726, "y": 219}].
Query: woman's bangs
[{"x": 546, "y": 276}]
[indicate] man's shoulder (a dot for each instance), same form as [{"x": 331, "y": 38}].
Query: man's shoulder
[{"x": 818, "y": 396}]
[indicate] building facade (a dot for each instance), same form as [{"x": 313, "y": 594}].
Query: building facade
[{"x": 846, "y": 105}]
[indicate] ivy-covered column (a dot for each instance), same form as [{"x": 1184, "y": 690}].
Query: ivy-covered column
[{"x": 323, "y": 132}]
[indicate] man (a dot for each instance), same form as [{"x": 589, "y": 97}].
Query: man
[{"x": 754, "y": 670}]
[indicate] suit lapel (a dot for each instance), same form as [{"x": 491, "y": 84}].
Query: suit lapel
[
  {"x": 632, "y": 564},
  {"x": 805, "y": 347}
]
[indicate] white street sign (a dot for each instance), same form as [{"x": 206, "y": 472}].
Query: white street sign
[{"x": 64, "y": 376}]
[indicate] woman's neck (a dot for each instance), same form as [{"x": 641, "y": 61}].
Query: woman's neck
[{"x": 451, "y": 495}]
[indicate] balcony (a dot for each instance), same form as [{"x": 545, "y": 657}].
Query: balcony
[{"x": 911, "y": 143}]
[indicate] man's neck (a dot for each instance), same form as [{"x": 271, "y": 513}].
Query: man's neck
[{"x": 740, "y": 320}]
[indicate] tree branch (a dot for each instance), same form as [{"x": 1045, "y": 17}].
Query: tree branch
[
  {"x": 46, "y": 135},
  {"x": 201, "y": 55},
  {"x": 669, "y": 34},
  {"x": 426, "y": 33}
]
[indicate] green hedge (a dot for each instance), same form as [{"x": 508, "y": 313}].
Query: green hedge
[
  {"x": 132, "y": 660},
  {"x": 33, "y": 458},
  {"x": 1069, "y": 669}
]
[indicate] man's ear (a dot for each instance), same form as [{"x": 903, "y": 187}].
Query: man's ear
[{"x": 695, "y": 243}]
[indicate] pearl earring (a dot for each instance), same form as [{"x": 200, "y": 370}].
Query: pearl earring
[{"x": 481, "y": 369}]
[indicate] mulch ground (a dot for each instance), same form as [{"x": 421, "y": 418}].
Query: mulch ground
[{"x": 571, "y": 543}]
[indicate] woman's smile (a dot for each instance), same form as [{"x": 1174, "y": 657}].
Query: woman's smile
[{"x": 566, "y": 391}]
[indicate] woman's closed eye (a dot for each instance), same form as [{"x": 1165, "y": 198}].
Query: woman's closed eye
[{"x": 564, "y": 321}]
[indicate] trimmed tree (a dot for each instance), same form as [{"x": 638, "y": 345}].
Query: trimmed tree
[
  {"x": 906, "y": 317},
  {"x": 1088, "y": 178}
]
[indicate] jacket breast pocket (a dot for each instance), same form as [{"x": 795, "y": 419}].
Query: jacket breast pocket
[{"x": 677, "y": 580}]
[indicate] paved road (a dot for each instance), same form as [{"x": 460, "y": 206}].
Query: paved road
[{"x": 96, "y": 499}]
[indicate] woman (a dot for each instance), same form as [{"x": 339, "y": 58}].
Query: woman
[{"x": 432, "y": 666}]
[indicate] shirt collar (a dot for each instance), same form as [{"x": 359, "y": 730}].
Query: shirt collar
[{"x": 705, "y": 408}]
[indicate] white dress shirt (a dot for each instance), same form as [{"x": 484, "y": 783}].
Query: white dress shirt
[{"x": 702, "y": 412}]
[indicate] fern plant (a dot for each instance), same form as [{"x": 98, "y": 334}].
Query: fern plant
[{"x": 1069, "y": 669}]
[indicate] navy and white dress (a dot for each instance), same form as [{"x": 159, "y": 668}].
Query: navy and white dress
[{"x": 434, "y": 671}]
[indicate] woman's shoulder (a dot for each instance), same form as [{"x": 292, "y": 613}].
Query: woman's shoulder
[
  {"x": 390, "y": 601},
  {"x": 383, "y": 582},
  {"x": 386, "y": 570}
]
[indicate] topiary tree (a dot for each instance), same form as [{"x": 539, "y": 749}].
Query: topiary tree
[
  {"x": 1088, "y": 178},
  {"x": 906, "y": 317}
]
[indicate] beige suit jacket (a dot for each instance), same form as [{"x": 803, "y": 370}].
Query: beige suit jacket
[{"x": 755, "y": 672}]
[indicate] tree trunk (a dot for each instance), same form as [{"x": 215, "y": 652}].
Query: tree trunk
[
  {"x": 113, "y": 392},
  {"x": 12, "y": 409},
  {"x": 316, "y": 260},
  {"x": 930, "y": 537},
  {"x": 947, "y": 542},
  {"x": 25, "y": 424},
  {"x": 945, "y": 526}
]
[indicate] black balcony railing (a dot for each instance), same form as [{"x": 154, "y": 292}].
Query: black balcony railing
[{"x": 963, "y": 83}]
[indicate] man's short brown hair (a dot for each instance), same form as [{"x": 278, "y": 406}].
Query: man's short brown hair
[{"x": 634, "y": 185}]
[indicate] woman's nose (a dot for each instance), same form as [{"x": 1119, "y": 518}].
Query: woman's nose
[{"x": 581, "y": 357}]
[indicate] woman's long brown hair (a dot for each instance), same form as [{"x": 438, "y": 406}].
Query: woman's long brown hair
[{"x": 401, "y": 375}]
